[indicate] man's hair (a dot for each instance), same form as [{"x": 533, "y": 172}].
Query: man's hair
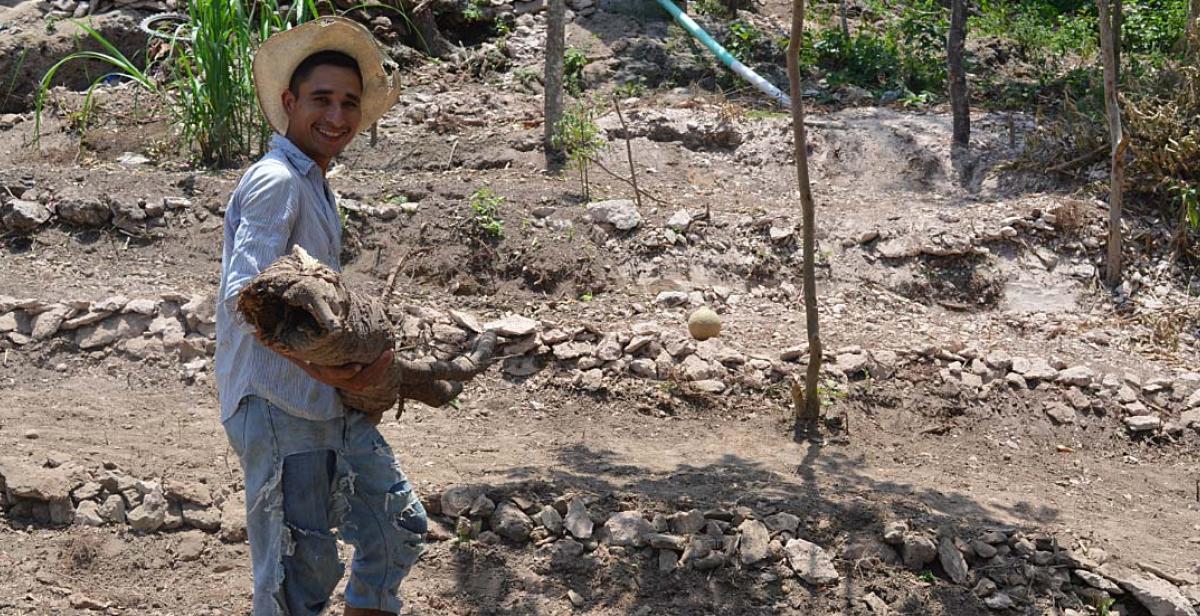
[{"x": 321, "y": 58}]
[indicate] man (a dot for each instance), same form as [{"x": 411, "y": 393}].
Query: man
[{"x": 310, "y": 464}]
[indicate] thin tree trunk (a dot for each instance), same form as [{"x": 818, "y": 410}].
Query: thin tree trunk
[
  {"x": 959, "y": 103},
  {"x": 1193, "y": 15},
  {"x": 553, "y": 91},
  {"x": 1108, "y": 45},
  {"x": 842, "y": 17},
  {"x": 1118, "y": 22},
  {"x": 812, "y": 402}
]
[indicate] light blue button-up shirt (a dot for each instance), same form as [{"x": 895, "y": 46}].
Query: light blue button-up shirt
[{"x": 281, "y": 201}]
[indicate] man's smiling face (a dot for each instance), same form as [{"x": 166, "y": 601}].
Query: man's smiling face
[{"x": 325, "y": 113}]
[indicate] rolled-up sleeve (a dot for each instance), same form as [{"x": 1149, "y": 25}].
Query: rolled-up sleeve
[{"x": 266, "y": 213}]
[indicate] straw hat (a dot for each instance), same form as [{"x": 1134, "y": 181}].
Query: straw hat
[{"x": 280, "y": 54}]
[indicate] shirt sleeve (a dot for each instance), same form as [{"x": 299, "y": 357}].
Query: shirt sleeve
[{"x": 267, "y": 214}]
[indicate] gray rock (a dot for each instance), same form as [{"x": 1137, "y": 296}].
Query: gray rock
[
  {"x": 112, "y": 510},
  {"x": 37, "y": 483},
  {"x": 1158, "y": 596},
  {"x": 513, "y": 326},
  {"x": 1142, "y": 423},
  {"x": 754, "y": 545},
  {"x": 627, "y": 529},
  {"x": 572, "y": 350},
  {"x": 191, "y": 546},
  {"x": 1190, "y": 419},
  {"x": 663, "y": 541},
  {"x": 148, "y": 516},
  {"x": 609, "y": 348},
  {"x": 894, "y": 531},
  {"x": 695, "y": 369},
  {"x": 46, "y": 324},
  {"x": 481, "y": 507},
  {"x": 999, "y": 601},
  {"x": 23, "y": 216},
  {"x": 1060, "y": 413},
  {"x": 1039, "y": 370},
  {"x": 918, "y": 551},
  {"x": 457, "y": 499},
  {"x": 1079, "y": 376},
  {"x": 984, "y": 587},
  {"x": 782, "y": 521},
  {"x": 111, "y": 330},
  {"x": 668, "y": 561},
  {"x": 1078, "y": 399},
  {"x": 712, "y": 386},
  {"x": 671, "y": 298},
  {"x": 233, "y": 518},
  {"x": 983, "y": 549},
  {"x": 852, "y": 364},
  {"x": 952, "y": 561},
  {"x": 620, "y": 213},
  {"x": 679, "y": 221},
  {"x": 551, "y": 520},
  {"x": 201, "y": 517},
  {"x": 83, "y": 211},
  {"x": 511, "y": 523},
  {"x": 810, "y": 562},
  {"x": 1099, "y": 582},
  {"x": 88, "y": 491},
  {"x": 578, "y": 522},
  {"x": 687, "y": 522},
  {"x": 88, "y": 514}
]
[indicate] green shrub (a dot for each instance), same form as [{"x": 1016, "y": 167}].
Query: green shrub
[
  {"x": 573, "y": 62},
  {"x": 485, "y": 211}
]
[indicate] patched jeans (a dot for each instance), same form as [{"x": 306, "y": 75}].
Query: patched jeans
[{"x": 305, "y": 478}]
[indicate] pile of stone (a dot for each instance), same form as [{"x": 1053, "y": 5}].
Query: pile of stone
[
  {"x": 693, "y": 539},
  {"x": 29, "y": 209},
  {"x": 1009, "y": 569},
  {"x": 1161, "y": 404},
  {"x": 173, "y": 323},
  {"x": 62, "y": 493}
]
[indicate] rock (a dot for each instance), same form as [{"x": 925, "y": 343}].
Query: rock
[
  {"x": 551, "y": 520},
  {"x": 1099, "y": 582},
  {"x": 1060, "y": 413},
  {"x": 983, "y": 549},
  {"x": 578, "y": 522},
  {"x": 572, "y": 350},
  {"x": 693, "y": 368},
  {"x": 457, "y": 499},
  {"x": 1079, "y": 376},
  {"x": 201, "y": 517},
  {"x": 852, "y": 364},
  {"x": 88, "y": 491},
  {"x": 1142, "y": 423},
  {"x": 481, "y": 507},
  {"x": 671, "y": 298},
  {"x": 23, "y": 216},
  {"x": 1158, "y": 596},
  {"x": 782, "y": 521},
  {"x": 511, "y": 523},
  {"x": 984, "y": 587},
  {"x": 233, "y": 518},
  {"x": 609, "y": 348},
  {"x": 188, "y": 492},
  {"x": 88, "y": 514},
  {"x": 513, "y": 326},
  {"x": 687, "y": 522},
  {"x": 679, "y": 221},
  {"x": 47, "y": 485},
  {"x": 148, "y": 516},
  {"x": 575, "y": 598},
  {"x": 668, "y": 561},
  {"x": 1039, "y": 370},
  {"x": 1078, "y": 399},
  {"x": 712, "y": 386},
  {"x": 1190, "y": 419},
  {"x": 918, "y": 551},
  {"x": 111, "y": 330},
  {"x": 952, "y": 561},
  {"x": 704, "y": 323},
  {"x": 810, "y": 562},
  {"x": 663, "y": 541},
  {"x": 894, "y": 531},
  {"x": 142, "y": 306},
  {"x": 999, "y": 601},
  {"x": 754, "y": 545},
  {"x": 191, "y": 546},
  {"x": 112, "y": 511},
  {"x": 46, "y": 324},
  {"x": 627, "y": 528},
  {"x": 869, "y": 548},
  {"x": 620, "y": 213},
  {"x": 83, "y": 211}
]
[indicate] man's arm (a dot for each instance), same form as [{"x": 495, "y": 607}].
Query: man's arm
[{"x": 267, "y": 213}]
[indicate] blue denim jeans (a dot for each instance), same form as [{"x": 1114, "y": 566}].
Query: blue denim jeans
[{"x": 305, "y": 478}]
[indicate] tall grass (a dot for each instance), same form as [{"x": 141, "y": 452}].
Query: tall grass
[{"x": 210, "y": 83}]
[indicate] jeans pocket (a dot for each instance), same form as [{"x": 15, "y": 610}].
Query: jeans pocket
[{"x": 237, "y": 425}]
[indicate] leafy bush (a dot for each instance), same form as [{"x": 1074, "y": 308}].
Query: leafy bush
[
  {"x": 485, "y": 210},
  {"x": 574, "y": 60},
  {"x": 579, "y": 137}
]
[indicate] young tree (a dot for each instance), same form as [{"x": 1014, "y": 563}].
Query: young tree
[
  {"x": 959, "y": 104},
  {"x": 553, "y": 92},
  {"x": 812, "y": 403},
  {"x": 842, "y": 18},
  {"x": 1109, "y": 44}
]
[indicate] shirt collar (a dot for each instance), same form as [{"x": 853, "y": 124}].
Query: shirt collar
[{"x": 298, "y": 159}]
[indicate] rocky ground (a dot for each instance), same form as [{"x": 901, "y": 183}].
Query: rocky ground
[{"x": 1001, "y": 436}]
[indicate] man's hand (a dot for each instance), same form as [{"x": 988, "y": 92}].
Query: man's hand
[{"x": 350, "y": 377}]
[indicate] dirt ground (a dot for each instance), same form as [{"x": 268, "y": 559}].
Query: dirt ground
[{"x": 911, "y": 260}]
